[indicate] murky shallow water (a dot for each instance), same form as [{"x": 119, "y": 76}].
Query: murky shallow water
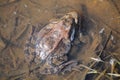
[{"x": 16, "y": 19}]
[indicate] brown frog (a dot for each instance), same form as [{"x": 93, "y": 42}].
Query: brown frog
[{"x": 51, "y": 45}]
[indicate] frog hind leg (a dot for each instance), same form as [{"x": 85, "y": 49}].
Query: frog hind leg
[{"x": 69, "y": 66}]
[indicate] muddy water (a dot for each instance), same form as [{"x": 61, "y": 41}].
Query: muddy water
[{"x": 17, "y": 17}]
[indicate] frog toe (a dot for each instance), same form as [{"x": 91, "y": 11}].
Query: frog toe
[{"x": 69, "y": 66}]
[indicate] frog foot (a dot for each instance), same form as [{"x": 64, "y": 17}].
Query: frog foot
[{"x": 69, "y": 66}]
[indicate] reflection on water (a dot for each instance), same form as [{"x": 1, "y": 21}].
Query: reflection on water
[{"x": 17, "y": 17}]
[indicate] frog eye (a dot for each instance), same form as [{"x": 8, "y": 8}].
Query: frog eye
[{"x": 68, "y": 22}]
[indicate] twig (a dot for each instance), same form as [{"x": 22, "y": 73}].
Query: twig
[
  {"x": 32, "y": 1},
  {"x": 101, "y": 74},
  {"x": 105, "y": 43},
  {"x": 15, "y": 77},
  {"x": 8, "y": 3},
  {"x": 105, "y": 24},
  {"x": 21, "y": 33},
  {"x": 7, "y": 43},
  {"x": 115, "y": 5}
]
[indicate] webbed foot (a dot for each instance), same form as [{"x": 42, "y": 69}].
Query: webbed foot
[{"x": 69, "y": 66}]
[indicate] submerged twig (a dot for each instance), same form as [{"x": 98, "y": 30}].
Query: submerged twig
[
  {"x": 8, "y": 3},
  {"x": 115, "y": 75},
  {"x": 21, "y": 33},
  {"x": 105, "y": 24},
  {"x": 104, "y": 46},
  {"x": 116, "y": 6},
  {"x": 13, "y": 57},
  {"x": 7, "y": 43},
  {"x": 15, "y": 77},
  {"x": 97, "y": 59},
  {"x": 101, "y": 74},
  {"x": 36, "y": 3}
]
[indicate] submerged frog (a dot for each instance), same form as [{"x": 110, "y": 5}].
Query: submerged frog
[{"x": 51, "y": 45}]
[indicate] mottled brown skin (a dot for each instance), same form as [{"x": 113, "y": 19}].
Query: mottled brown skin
[{"x": 51, "y": 44}]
